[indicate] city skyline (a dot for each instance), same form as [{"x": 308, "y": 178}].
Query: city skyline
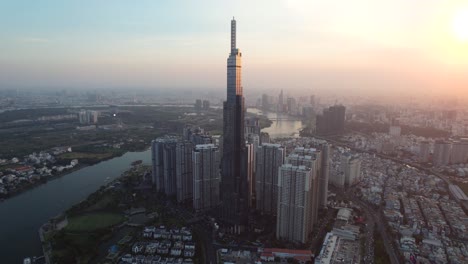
[{"x": 359, "y": 47}]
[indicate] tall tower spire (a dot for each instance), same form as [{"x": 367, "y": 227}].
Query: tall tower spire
[
  {"x": 233, "y": 35},
  {"x": 234, "y": 181}
]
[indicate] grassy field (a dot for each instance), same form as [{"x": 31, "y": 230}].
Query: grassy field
[{"x": 92, "y": 222}]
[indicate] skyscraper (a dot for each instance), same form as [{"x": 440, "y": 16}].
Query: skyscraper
[
  {"x": 205, "y": 177},
  {"x": 295, "y": 197},
  {"x": 164, "y": 164},
  {"x": 332, "y": 120},
  {"x": 234, "y": 184},
  {"x": 269, "y": 158}
]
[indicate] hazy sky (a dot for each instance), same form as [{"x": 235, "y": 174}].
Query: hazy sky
[{"x": 335, "y": 45}]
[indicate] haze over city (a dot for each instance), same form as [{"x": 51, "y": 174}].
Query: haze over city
[
  {"x": 202, "y": 132},
  {"x": 360, "y": 47}
]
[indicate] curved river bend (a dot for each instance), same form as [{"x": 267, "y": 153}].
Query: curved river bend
[{"x": 22, "y": 215}]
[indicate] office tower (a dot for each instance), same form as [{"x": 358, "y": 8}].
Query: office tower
[
  {"x": 442, "y": 151},
  {"x": 206, "y": 177},
  {"x": 269, "y": 158},
  {"x": 331, "y": 121},
  {"x": 351, "y": 166},
  {"x": 424, "y": 151},
  {"x": 295, "y": 197},
  {"x": 459, "y": 151},
  {"x": 184, "y": 175},
  {"x": 234, "y": 184},
  {"x": 164, "y": 164},
  {"x": 311, "y": 160}
]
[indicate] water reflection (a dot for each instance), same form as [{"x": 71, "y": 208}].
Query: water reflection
[{"x": 283, "y": 125}]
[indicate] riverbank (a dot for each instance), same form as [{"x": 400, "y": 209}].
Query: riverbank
[
  {"x": 89, "y": 161},
  {"x": 90, "y": 222}
]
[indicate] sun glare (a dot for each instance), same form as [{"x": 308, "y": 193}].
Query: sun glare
[{"x": 460, "y": 25}]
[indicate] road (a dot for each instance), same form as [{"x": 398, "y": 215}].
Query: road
[
  {"x": 373, "y": 219},
  {"x": 376, "y": 218}
]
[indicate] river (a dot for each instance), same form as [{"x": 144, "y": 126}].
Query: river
[
  {"x": 283, "y": 125},
  {"x": 22, "y": 215}
]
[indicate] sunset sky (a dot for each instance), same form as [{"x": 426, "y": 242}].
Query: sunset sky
[{"x": 333, "y": 45}]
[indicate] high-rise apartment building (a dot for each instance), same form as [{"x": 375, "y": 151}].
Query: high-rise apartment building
[
  {"x": 206, "y": 177},
  {"x": 312, "y": 162},
  {"x": 164, "y": 164},
  {"x": 351, "y": 166},
  {"x": 270, "y": 157},
  {"x": 295, "y": 198},
  {"x": 184, "y": 172}
]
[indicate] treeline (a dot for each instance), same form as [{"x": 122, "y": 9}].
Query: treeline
[
  {"x": 13, "y": 115},
  {"x": 369, "y": 128}
]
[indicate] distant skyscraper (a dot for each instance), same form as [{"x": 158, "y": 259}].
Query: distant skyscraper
[
  {"x": 234, "y": 182},
  {"x": 164, "y": 164},
  {"x": 281, "y": 102},
  {"x": 269, "y": 158},
  {"x": 295, "y": 198},
  {"x": 206, "y": 177},
  {"x": 331, "y": 121},
  {"x": 184, "y": 173}
]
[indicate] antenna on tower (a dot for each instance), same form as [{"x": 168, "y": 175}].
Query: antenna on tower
[{"x": 233, "y": 35}]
